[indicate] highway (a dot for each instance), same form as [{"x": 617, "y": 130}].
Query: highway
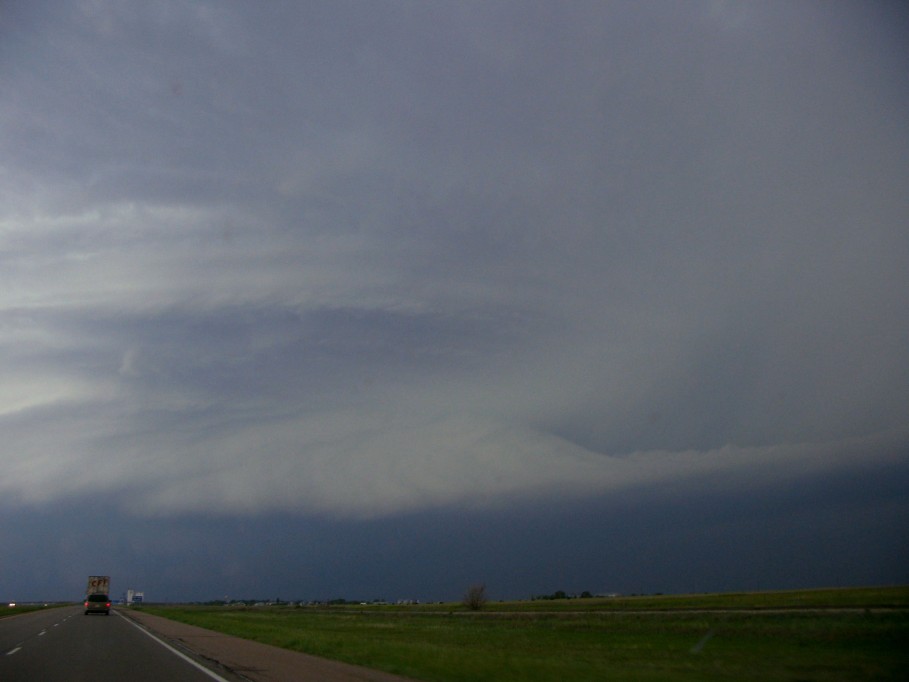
[{"x": 64, "y": 645}]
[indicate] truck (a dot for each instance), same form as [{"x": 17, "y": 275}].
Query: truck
[
  {"x": 97, "y": 595},
  {"x": 98, "y": 584}
]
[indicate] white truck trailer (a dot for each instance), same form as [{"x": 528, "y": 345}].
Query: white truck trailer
[{"x": 98, "y": 584}]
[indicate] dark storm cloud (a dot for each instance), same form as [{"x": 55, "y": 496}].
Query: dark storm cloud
[
  {"x": 363, "y": 260},
  {"x": 627, "y": 543}
]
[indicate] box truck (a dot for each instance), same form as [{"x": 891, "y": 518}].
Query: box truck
[
  {"x": 97, "y": 595},
  {"x": 98, "y": 584}
]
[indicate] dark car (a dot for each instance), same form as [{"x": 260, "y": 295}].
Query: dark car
[{"x": 97, "y": 603}]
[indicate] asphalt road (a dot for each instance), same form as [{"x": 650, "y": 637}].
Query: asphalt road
[{"x": 63, "y": 644}]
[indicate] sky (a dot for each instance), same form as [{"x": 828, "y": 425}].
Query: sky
[{"x": 385, "y": 299}]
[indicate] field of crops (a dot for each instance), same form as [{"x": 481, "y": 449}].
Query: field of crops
[{"x": 810, "y": 635}]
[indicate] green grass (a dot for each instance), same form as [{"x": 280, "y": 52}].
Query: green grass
[
  {"x": 828, "y": 598},
  {"x": 652, "y": 638},
  {"x": 6, "y": 611}
]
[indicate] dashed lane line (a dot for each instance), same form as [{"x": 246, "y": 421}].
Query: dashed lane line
[{"x": 40, "y": 634}]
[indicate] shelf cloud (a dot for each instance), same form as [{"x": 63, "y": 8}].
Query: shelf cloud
[{"x": 359, "y": 260}]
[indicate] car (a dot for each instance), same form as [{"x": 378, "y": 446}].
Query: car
[{"x": 97, "y": 603}]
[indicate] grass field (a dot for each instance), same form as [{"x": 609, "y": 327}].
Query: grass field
[
  {"x": 810, "y": 635},
  {"x": 6, "y": 611}
]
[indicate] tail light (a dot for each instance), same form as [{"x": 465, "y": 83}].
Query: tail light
[{"x": 86, "y": 604}]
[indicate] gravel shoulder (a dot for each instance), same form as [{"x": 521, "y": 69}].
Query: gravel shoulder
[{"x": 241, "y": 659}]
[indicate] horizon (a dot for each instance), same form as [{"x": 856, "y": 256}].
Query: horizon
[{"x": 344, "y": 601}]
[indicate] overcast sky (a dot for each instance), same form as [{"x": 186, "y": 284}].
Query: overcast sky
[{"x": 381, "y": 299}]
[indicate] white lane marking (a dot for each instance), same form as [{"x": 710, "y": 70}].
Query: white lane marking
[
  {"x": 167, "y": 646},
  {"x": 12, "y": 651},
  {"x": 42, "y": 633}
]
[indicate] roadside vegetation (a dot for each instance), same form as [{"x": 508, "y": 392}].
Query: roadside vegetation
[
  {"x": 845, "y": 634},
  {"x": 7, "y": 610}
]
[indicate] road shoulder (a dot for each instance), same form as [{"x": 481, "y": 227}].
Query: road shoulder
[{"x": 252, "y": 660}]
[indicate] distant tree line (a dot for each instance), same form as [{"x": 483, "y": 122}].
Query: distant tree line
[
  {"x": 561, "y": 594},
  {"x": 340, "y": 601}
]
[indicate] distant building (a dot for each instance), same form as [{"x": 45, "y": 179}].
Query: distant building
[{"x": 134, "y": 597}]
